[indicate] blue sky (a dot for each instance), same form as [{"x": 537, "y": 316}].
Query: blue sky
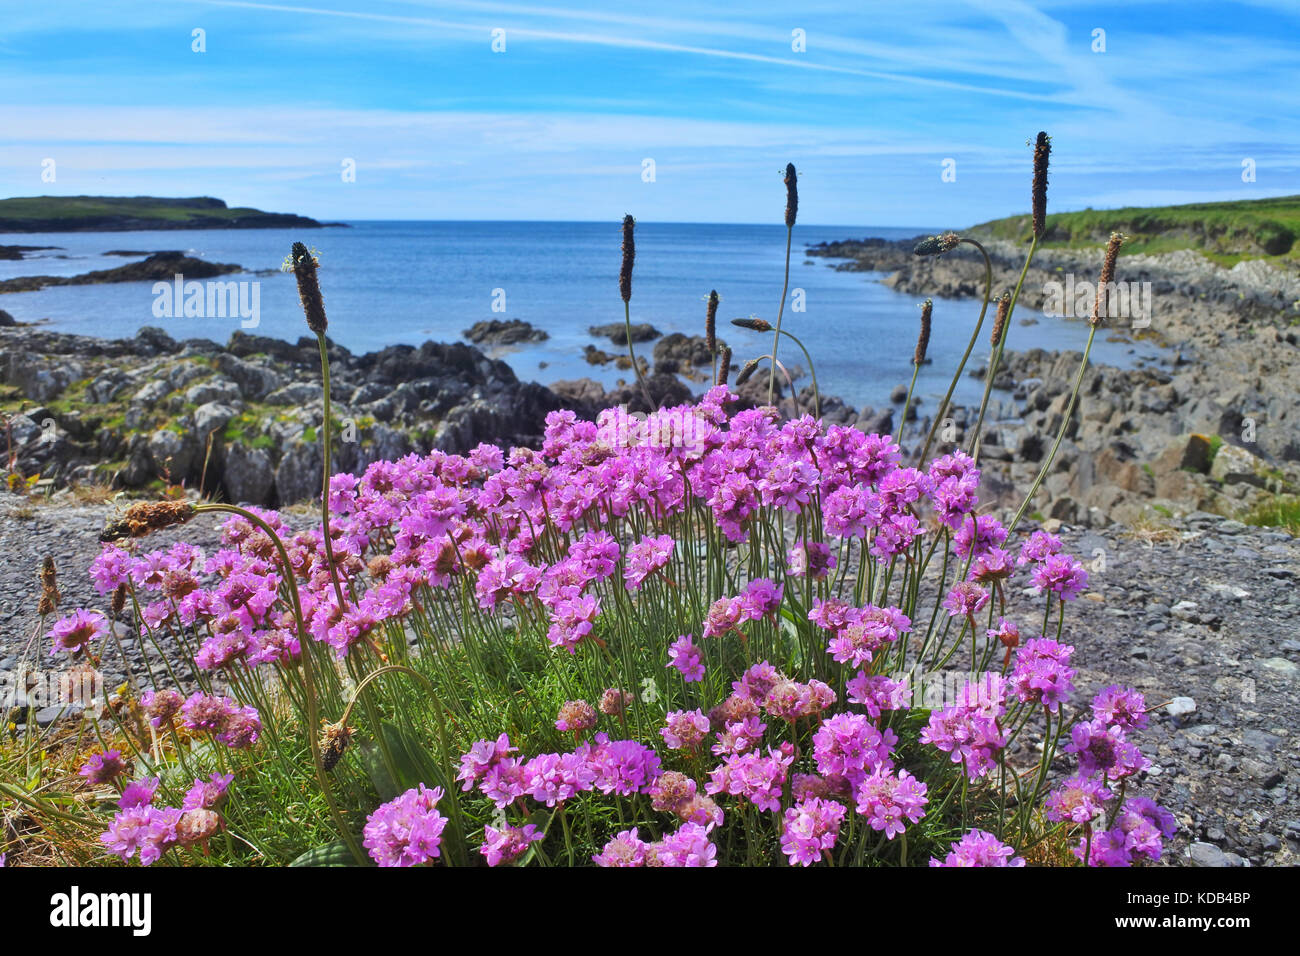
[{"x": 559, "y": 124}]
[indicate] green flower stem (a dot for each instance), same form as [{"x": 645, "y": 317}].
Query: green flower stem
[
  {"x": 996, "y": 358},
  {"x": 902, "y": 421},
  {"x": 943, "y": 406},
  {"x": 776, "y": 336},
  {"x": 1060, "y": 434},
  {"x": 325, "y": 482},
  {"x": 812, "y": 370},
  {"x": 627, "y": 324}
]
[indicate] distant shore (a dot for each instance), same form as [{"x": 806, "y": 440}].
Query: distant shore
[{"x": 36, "y": 214}]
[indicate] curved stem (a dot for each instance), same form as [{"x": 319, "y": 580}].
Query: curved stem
[
  {"x": 902, "y": 422},
  {"x": 627, "y": 324},
  {"x": 325, "y": 483},
  {"x": 943, "y": 406},
  {"x": 812, "y": 370},
  {"x": 309, "y": 680},
  {"x": 996, "y": 359},
  {"x": 776, "y": 337},
  {"x": 1060, "y": 434}
]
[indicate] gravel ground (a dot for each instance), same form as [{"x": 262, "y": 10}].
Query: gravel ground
[{"x": 1202, "y": 610}]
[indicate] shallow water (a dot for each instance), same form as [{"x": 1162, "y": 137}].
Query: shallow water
[{"x": 405, "y": 282}]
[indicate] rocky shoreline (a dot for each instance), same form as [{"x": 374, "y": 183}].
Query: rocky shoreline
[
  {"x": 1214, "y": 429},
  {"x": 1218, "y": 430}
]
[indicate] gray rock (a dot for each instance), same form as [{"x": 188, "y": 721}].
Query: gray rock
[
  {"x": 1207, "y": 854},
  {"x": 211, "y": 417},
  {"x": 248, "y": 474},
  {"x": 254, "y": 381},
  {"x": 213, "y": 390},
  {"x": 298, "y": 475},
  {"x": 175, "y": 455},
  {"x": 151, "y": 391},
  {"x": 1281, "y": 667},
  {"x": 297, "y": 393}
]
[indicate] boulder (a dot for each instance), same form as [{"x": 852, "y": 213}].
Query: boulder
[
  {"x": 616, "y": 332},
  {"x": 248, "y": 474},
  {"x": 254, "y": 381}
]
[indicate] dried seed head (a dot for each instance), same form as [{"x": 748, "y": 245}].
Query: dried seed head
[
  {"x": 141, "y": 519},
  {"x": 1000, "y": 320},
  {"x": 629, "y": 256},
  {"x": 196, "y": 826},
  {"x": 1107, "y": 276},
  {"x": 711, "y": 324},
  {"x": 754, "y": 324},
  {"x": 334, "y": 740},
  {"x": 313, "y": 307},
  {"x": 724, "y": 365},
  {"x": 923, "y": 339},
  {"x": 119, "y": 599},
  {"x": 614, "y": 701},
  {"x": 746, "y": 371},
  {"x": 937, "y": 245},
  {"x": 1042, "y": 151},
  {"x": 50, "y": 596},
  {"x": 791, "y": 194}
]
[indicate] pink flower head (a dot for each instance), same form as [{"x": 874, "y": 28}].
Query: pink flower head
[
  {"x": 966, "y": 599},
  {"x": 811, "y": 828},
  {"x": 685, "y": 729},
  {"x": 1079, "y": 799},
  {"x": 626, "y": 849},
  {"x": 725, "y": 615},
  {"x": 890, "y": 801},
  {"x": 686, "y": 658},
  {"x": 75, "y": 632},
  {"x": 1038, "y": 547},
  {"x": 575, "y": 717},
  {"x": 1062, "y": 575},
  {"x": 406, "y": 831},
  {"x": 850, "y": 746},
  {"x": 1042, "y": 673},
  {"x": 978, "y": 848},
  {"x": 688, "y": 846},
  {"x": 877, "y": 693},
  {"x": 1120, "y": 706},
  {"x": 103, "y": 767},
  {"x": 507, "y": 844},
  {"x": 978, "y": 534},
  {"x": 207, "y": 794},
  {"x": 482, "y": 757},
  {"x": 144, "y": 830},
  {"x": 1103, "y": 749},
  {"x": 762, "y": 598},
  {"x": 646, "y": 557}
]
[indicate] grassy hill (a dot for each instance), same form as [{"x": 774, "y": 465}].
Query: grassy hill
[
  {"x": 1226, "y": 232},
  {"x": 129, "y": 213}
]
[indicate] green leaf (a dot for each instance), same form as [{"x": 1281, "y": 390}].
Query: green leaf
[
  {"x": 332, "y": 854},
  {"x": 411, "y": 763}
]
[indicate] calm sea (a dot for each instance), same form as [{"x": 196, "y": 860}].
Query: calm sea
[{"x": 405, "y": 282}]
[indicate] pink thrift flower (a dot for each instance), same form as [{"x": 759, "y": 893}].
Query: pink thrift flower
[{"x": 686, "y": 658}]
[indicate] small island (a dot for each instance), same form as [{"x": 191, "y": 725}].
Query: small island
[{"x": 138, "y": 213}]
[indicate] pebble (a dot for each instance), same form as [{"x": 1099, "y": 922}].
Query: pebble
[
  {"x": 1206, "y": 854},
  {"x": 1180, "y": 707}
]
